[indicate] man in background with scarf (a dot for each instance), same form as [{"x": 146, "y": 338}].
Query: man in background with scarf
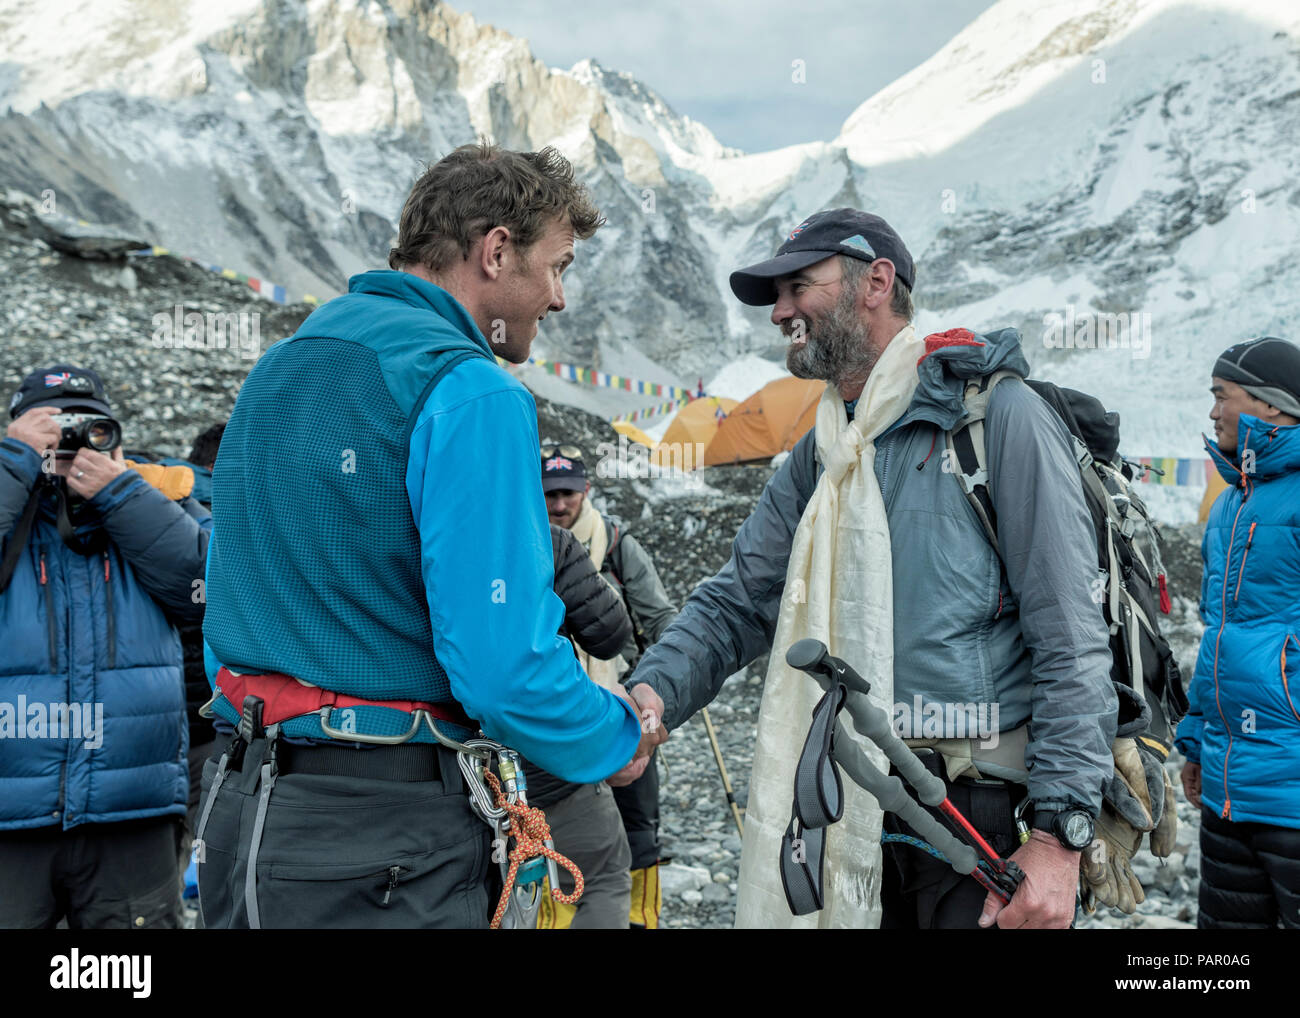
[{"x": 626, "y": 565}]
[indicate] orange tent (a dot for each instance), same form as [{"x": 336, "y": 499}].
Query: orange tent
[
  {"x": 771, "y": 420},
  {"x": 690, "y": 433}
]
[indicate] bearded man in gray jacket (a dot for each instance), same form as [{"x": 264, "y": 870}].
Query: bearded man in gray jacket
[{"x": 1017, "y": 634}]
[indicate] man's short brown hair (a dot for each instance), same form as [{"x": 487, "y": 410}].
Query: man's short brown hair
[
  {"x": 900, "y": 300},
  {"x": 477, "y": 187}
]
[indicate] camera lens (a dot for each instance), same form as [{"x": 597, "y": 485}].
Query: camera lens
[{"x": 103, "y": 435}]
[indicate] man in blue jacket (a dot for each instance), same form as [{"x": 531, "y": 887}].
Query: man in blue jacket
[
  {"x": 1241, "y": 736},
  {"x": 405, "y": 574},
  {"x": 98, "y": 569}
]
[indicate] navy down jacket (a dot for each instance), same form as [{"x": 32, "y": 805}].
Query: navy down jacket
[{"x": 92, "y": 703}]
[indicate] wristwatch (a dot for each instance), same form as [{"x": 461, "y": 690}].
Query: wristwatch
[{"x": 1073, "y": 826}]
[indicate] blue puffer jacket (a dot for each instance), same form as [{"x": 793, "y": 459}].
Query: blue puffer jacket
[
  {"x": 1244, "y": 723},
  {"x": 96, "y": 632}
]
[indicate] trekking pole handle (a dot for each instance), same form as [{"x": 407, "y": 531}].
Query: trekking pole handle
[
  {"x": 890, "y": 792},
  {"x": 811, "y": 656},
  {"x": 892, "y": 796}
]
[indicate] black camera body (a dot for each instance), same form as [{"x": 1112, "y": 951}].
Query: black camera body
[{"x": 86, "y": 431}]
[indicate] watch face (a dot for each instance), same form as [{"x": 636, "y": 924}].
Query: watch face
[{"x": 1078, "y": 830}]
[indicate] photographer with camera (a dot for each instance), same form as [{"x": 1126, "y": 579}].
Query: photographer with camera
[{"x": 98, "y": 567}]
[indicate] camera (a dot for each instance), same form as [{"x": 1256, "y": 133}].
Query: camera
[{"x": 86, "y": 431}]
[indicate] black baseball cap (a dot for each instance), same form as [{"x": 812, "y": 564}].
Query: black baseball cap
[
  {"x": 64, "y": 386},
  {"x": 563, "y": 469},
  {"x": 838, "y": 231}
]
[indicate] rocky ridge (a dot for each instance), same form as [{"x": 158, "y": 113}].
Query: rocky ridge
[{"x": 1121, "y": 156}]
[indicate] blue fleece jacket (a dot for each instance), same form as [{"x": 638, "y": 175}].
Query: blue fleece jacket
[{"x": 414, "y": 560}]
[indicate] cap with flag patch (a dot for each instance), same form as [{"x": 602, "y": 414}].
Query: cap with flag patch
[
  {"x": 837, "y": 231},
  {"x": 63, "y": 386},
  {"x": 563, "y": 469}
]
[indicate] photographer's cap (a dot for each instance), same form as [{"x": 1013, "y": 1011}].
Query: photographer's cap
[
  {"x": 839, "y": 231},
  {"x": 563, "y": 469},
  {"x": 63, "y": 386}
]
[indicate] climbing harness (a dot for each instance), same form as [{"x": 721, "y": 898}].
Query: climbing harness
[
  {"x": 501, "y": 803},
  {"x": 819, "y": 793},
  {"x": 286, "y": 699}
]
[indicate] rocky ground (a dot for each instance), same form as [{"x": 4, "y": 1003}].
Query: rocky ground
[{"x": 89, "y": 306}]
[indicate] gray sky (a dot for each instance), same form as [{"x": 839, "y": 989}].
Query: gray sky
[{"x": 729, "y": 63}]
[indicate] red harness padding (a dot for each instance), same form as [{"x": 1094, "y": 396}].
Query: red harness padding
[{"x": 285, "y": 697}]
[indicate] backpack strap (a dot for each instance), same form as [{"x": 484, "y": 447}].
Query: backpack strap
[
  {"x": 609, "y": 552},
  {"x": 968, "y": 454},
  {"x": 18, "y": 537},
  {"x": 1102, "y": 486},
  {"x": 637, "y": 635}
]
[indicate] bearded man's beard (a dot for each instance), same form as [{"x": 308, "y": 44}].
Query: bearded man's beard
[{"x": 836, "y": 348}]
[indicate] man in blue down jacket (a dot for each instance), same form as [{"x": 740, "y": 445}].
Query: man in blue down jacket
[
  {"x": 92, "y": 706},
  {"x": 1241, "y": 736}
]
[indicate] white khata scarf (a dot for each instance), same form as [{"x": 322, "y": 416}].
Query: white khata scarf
[
  {"x": 589, "y": 528},
  {"x": 838, "y": 589}
]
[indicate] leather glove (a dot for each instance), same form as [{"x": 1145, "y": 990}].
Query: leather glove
[
  {"x": 1126, "y": 814},
  {"x": 1165, "y": 835},
  {"x": 1104, "y": 866}
]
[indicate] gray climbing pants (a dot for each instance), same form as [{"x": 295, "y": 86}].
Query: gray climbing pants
[{"x": 339, "y": 852}]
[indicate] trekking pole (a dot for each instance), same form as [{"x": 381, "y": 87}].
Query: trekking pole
[
  {"x": 722, "y": 769},
  {"x": 893, "y": 797},
  {"x": 812, "y": 657}
]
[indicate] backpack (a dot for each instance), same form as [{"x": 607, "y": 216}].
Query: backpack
[{"x": 1130, "y": 583}]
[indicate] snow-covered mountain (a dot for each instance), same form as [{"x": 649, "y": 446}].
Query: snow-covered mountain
[{"x": 1057, "y": 160}]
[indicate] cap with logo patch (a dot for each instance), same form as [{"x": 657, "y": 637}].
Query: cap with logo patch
[
  {"x": 63, "y": 386},
  {"x": 838, "y": 231}
]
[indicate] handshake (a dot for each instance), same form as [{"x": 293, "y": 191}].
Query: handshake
[{"x": 650, "y": 709}]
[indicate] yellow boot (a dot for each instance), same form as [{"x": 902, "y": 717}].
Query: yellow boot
[{"x": 647, "y": 898}]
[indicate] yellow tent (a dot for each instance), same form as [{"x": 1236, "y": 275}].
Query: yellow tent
[
  {"x": 771, "y": 420},
  {"x": 1212, "y": 491},
  {"x": 634, "y": 433},
  {"x": 691, "y": 432}
]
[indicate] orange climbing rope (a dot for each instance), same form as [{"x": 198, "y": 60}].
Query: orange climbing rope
[{"x": 531, "y": 832}]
